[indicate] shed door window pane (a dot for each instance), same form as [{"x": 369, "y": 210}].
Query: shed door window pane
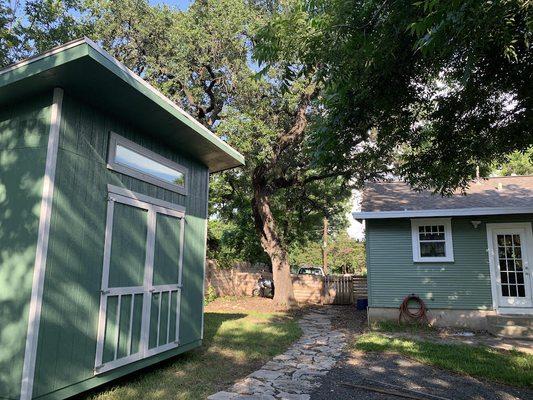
[
  {"x": 432, "y": 239},
  {"x": 134, "y": 160}
]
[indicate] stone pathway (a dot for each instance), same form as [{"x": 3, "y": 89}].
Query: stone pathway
[{"x": 295, "y": 374}]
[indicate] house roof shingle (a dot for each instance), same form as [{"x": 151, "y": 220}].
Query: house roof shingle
[{"x": 513, "y": 192}]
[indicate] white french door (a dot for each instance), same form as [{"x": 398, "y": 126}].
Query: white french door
[
  {"x": 510, "y": 246},
  {"x": 141, "y": 280}
]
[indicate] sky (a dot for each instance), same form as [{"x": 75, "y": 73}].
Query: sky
[{"x": 181, "y": 4}]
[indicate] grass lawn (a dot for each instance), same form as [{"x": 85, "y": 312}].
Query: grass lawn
[
  {"x": 235, "y": 344},
  {"x": 508, "y": 367}
]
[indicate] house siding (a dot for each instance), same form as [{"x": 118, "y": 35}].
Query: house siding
[
  {"x": 67, "y": 337},
  {"x": 463, "y": 284},
  {"x": 24, "y": 131}
]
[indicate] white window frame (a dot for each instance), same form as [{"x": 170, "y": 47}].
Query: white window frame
[
  {"x": 448, "y": 239},
  {"x": 115, "y": 140}
]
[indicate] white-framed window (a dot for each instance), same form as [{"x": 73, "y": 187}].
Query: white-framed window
[
  {"x": 131, "y": 159},
  {"x": 432, "y": 240}
]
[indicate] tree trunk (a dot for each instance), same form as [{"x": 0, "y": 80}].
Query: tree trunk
[
  {"x": 325, "y": 247},
  {"x": 272, "y": 244}
]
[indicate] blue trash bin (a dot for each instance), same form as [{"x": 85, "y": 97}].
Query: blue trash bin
[{"x": 362, "y": 304}]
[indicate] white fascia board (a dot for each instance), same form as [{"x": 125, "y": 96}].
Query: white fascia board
[{"x": 451, "y": 212}]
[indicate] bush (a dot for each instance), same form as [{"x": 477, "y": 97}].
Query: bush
[{"x": 210, "y": 295}]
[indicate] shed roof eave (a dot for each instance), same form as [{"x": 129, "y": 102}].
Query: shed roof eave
[
  {"x": 458, "y": 212},
  {"x": 209, "y": 148}
]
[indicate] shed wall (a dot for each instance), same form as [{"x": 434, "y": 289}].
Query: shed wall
[
  {"x": 463, "y": 284},
  {"x": 67, "y": 339},
  {"x": 24, "y": 131}
]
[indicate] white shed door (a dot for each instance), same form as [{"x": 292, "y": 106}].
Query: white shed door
[{"x": 141, "y": 282}]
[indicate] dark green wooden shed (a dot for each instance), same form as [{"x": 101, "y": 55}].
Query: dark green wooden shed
[{"x": 103, "y": 220}]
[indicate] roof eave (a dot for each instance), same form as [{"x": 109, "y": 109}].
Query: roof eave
[
  {"x": 225, "y": 158},
  {"x": 457, "y": 212}
]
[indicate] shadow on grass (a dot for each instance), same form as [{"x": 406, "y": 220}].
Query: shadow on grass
[
  {"x": 509, "y": 367},
  {"x": 235, "y": 344}
]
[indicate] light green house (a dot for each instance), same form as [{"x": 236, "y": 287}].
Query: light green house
[
  {"x": 468, "y": 257},
  {"x": 103, "y": 211}
]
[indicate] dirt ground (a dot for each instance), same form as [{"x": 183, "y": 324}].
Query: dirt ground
[
  {"x": 256, "y": 304},
  {"x": 231, "y": 304}
]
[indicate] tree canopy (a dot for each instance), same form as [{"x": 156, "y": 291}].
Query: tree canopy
[
  {"x": 425, "y": 91},
  {"x": 319, "y": 95}
]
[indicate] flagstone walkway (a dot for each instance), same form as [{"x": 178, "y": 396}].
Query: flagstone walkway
[{"x": 295, "y": 374}]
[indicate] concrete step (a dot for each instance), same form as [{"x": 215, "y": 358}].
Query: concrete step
[{"x": 512, "y": 326}]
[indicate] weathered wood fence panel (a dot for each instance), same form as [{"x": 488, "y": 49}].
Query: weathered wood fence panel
[
  {"x": 308, "y": 289},
  {"x": 360, "y": 287},
  {"x": 338, "y": 289}
]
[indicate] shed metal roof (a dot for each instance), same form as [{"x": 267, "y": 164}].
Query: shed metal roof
[
  {"x": 82, "y": 68},
  {"x": 492, "y": 196}
]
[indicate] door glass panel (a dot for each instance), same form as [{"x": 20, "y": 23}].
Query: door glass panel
[
  {"x": 128, "y": 246},
  {"x": 510, "y": 262},
  {"x": 167, "y": 250}
]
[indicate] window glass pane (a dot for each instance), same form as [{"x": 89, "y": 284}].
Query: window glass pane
[
  {"x": 431, "y": 232},
  {"x": 432, "y": 249},
  {"x": 132, "y": 159}
]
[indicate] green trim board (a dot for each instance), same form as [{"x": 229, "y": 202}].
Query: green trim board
[{"x": 84, "y": 68}]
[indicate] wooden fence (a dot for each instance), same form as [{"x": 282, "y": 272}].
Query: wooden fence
[{"x": 308, "y": 289}]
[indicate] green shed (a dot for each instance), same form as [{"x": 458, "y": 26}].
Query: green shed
[{"x": 103, "y": 219}]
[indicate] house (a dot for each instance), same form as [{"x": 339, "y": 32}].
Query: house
[
  {"x": 103, "y": 219},
  {"x": 469, "y": 257}
]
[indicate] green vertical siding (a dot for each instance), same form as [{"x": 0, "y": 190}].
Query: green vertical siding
[
  {"x": 167, "y": 250},
  {"x": 23, "y": 143},
  {"x": 128, "y": 246},
  {"x": 67, "y": 338},
  {"x": 462, "y": 284}
]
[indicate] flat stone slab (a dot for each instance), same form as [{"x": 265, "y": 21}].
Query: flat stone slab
[{"x": 295, "y": 374}]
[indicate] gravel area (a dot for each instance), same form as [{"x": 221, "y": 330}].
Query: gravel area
[
  {"x": 379, "y": 369},
  {"x": 389, "y": 371}
]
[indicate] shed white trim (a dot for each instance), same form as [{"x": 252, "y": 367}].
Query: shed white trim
[
  {"x": 205, "y": 258},
  {"x": 112, "y": 189},
  {"x": 450, "y": 212},
  {"x": 34, "y": 318}
]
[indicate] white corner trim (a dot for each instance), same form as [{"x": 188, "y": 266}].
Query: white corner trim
[
  {"x": 34, "y": 319},
  {"x": 205, "y": 258},
  {"x": 448, "y": 237}
]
